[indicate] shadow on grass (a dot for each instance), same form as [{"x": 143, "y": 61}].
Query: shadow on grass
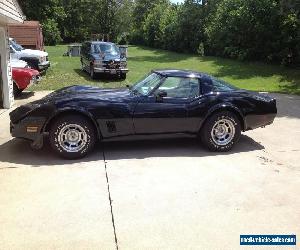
[
  {"x": 17, "y": 151},
  {"x": 290, "y": 78},
  {"x": 159, "y": 56},
  {"x": 223, "y": 67}
]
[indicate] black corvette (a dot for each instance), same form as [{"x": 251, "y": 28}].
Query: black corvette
[{"x": 164, "y": 102}]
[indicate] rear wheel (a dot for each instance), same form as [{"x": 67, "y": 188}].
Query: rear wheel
[
  {"x": 221, "y": 131},
  {"x": 72, "y": 136},
  {"x": 122, "y": 76}
]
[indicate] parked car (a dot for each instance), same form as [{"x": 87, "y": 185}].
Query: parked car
[
  {"x": 16, "y": 63},
  {"x": 103, "y": 57},
  {"x": 164, "y": 102},
  {"x": 36, "y": 59},
  {"x": 24, "y": 78}
]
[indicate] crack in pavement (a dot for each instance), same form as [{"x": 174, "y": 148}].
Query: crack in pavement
[{"x": 110, "y": 200}]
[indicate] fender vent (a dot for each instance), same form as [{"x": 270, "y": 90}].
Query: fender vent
[{"x": 111, "y": 127}]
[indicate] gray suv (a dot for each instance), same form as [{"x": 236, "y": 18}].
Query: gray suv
[{"x": 103, "y": 57}]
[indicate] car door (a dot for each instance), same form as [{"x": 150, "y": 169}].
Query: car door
[{"x": 166, "y": 110}]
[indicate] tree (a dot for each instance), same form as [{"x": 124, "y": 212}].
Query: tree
[
  {"x": 50, "y": 13},
  {"x": 244, "y": 29}
]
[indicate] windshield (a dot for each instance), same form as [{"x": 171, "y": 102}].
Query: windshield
[
  {"x": 16, "y": 46},
  {"x": 146, "y": 85},
  {"x": 106, "y": 48}
]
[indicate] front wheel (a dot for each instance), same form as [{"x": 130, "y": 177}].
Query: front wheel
[
  {"x": 72, "y": 136},
  {"x": 92, "y": 73},
  {"x": 221, "y": 131}
]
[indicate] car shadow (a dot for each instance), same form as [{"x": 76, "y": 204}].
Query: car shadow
[
  {"x": 18, "y": 152},
  {"x": 24, "y": 95},
  {"x": 102, "y": 77},
  {"x": 176, "y": 147}
]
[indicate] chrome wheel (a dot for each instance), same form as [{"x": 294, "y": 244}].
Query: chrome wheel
[
  {"x": 223, "y": 132},
  {"x": 72, "y": 137}
]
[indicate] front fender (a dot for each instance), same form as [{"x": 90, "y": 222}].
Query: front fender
[{"x": 71, "y": 110}]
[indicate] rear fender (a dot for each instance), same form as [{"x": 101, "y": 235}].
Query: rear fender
[{"x": 226, "y": 107}]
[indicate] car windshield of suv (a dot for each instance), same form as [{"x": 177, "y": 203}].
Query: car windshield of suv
[
  {"x": 106, "y": 48},
  {"x": 16, "y": 46},
  {"x": 146, "y": 85}
]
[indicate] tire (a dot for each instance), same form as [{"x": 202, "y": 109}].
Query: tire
[
  {"x": 123, "y": 76},
  {"x": 72, "y": 136},
  {"x": 92, "y": 73},
  {"x": 17, "y": 91},
  {"x": 221, "y": 131}
]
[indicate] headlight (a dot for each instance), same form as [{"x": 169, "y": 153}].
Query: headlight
[
  {"x": 42, "y": 59},
  {"x": 33, "y": 78},
  {"x": 123, "y": 64}
]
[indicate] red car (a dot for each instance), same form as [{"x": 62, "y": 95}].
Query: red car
[{"x": 23, "y": 78}]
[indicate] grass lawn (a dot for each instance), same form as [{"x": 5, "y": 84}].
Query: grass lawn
[{"x": 66, "y": 71}]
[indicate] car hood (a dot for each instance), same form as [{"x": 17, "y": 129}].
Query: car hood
[
  {"x": 24, "y": 71},
  {"x": 83, "y": 93},
  {"x": 33, "y": 52},
  {"x": 15, "y": 63},
  {"x": 73, "y": 96}
]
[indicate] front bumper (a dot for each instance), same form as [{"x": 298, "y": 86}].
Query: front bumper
[
  {"x": 110, "y": 71},
  {"x": 28, "y": 128},
  {"x": 44, "y": 65}
]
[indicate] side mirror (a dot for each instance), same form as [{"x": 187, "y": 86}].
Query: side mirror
[{"x": 160, "y": 95}]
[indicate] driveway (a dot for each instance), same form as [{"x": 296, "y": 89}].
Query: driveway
[{"x": 163, "y": 194}]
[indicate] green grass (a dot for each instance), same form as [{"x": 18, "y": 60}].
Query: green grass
[{"x": 66, "y": 71}]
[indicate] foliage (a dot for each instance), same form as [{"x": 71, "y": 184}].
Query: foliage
[
  {"x": 51, "y": 32},
  {"x": 265, "y": 30}
]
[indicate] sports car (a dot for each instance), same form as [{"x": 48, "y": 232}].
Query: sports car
[{"x": 164, "y": 102}]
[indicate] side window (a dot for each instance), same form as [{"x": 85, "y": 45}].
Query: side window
[
  {"x": 177, "y": 87},
  {"x": 206, "y": 85},
  {"x": 211, "y": 84},
  {"x": 220, "y": 86}
]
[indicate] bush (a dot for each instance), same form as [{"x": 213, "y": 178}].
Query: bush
[{"x": 51, "y": 32}]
